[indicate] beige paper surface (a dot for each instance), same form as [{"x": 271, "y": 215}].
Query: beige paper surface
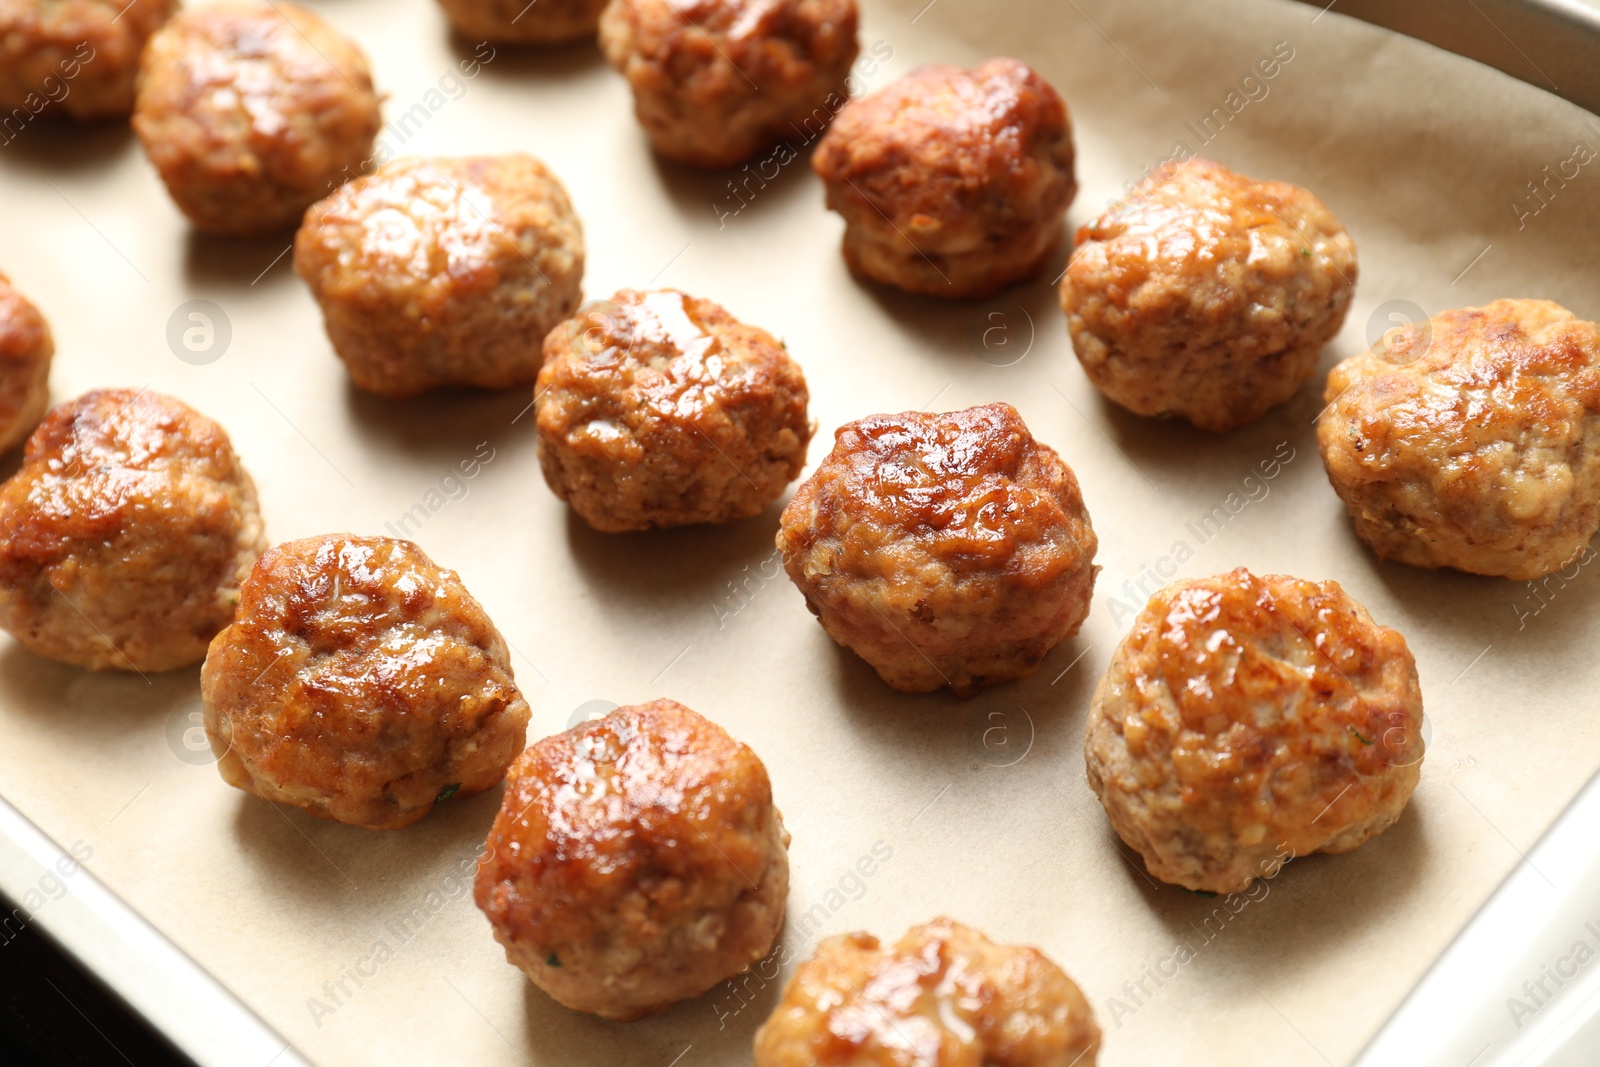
[{"x": 981, "y": 805}]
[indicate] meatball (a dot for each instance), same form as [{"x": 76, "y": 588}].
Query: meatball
[
  {"x": 1207, "y": 295},
  {"x": 944, "y": 996},
  {"x": 945, "y": 550},
  {"x": 1472, "y": 440},
  {"x": 252, "y": 112},
  {"x": 1245, "y": 721},
  {"x": 80, "y": 56},
  {"x": 125, "y": 534},
  {"x": 661, "y": 409},
  {"x": 716, "y": 81},
  {"x": 951, "y": 182},
  {"x": 637, "y": 860},
  {"x": 361, "y": 683},
  {"x": 434, "y": 272},
  {"x": 25, "y": 350},
  {"x": 523, "y": 21}
]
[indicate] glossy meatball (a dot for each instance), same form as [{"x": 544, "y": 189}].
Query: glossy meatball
[
  {"x": 251, "y": 112},
  {"x": 73, "y": 57},
  {"x": 945, "y": 550},
  {"x": 637, "y": 860},
  {"x": 444, "y": 271},
  {"x": 661, "y": 409},
  {"x": 125, "y": 535},
  {"x": 951, "y": 182},
  {"x": 1245, "y": 721},
  {"x": 523, "y": 21},
  {"x": 716, "y": 81},
  {"x": 944, "y": 996},
  {"x": 1472, "y": 440},
  {"x": 1207, "y": 295},
  {"x": 362, "y": 683},
  {"x": 25, "y": 350}
]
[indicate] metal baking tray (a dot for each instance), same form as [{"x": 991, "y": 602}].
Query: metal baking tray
[{"x": 1488, "y": 1001}]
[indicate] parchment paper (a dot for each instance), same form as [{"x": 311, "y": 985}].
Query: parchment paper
[{"x": 364, "y": 948}]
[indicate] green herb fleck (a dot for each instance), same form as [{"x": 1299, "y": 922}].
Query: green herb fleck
[
  {"x": 1363, "y": 740},
  {"x": 447, "y": 792},
  {"x": 552, "y": 961},
  {"x": 1306, "y": 252},
  {"x": 1199, "y": 892}
]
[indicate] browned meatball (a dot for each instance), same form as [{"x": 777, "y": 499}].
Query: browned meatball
[
  {"x": 1208, "y": 295},
  {"x": 951, "y": 182},
  {"x": 944, "y": 996},
  {"x": 125, "y": 535},
  {"x": 25, "y": 350},
  {"x": 525, "y": 21},
  {"x": 78, "y": 56},
  {"x": 1245, "y": 721},
  {"x": 435, "y": 272},
  {"x": 945, "y": 550},
  {"x": 251, "y": 112},
  {"x": 1472, "y": 440},
  {"x": 637, "y": 860},
  {"x": 362, "y": 683},
  {"x": 661, "y": 409},
  {"x": 716, "y": 81}
]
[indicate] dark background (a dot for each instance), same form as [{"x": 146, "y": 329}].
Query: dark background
[{"x": 53, "y": 1013}]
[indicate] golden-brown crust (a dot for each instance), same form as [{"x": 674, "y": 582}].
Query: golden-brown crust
[
  {"x": 1248, "y": 720},
  {"x": 1472, "y": 440},
  {"x": 443, "y": 271},
  {"x": 943, "y": 996},
  {"x": 636, "y": 861},
  {"x": 951, "y": 182},
  {"x": 522, "y": 22},
  {"x": 944, "y": 549},
  {"x": 1208, "y": 295},
  {"x": 661, "y": 409},
  {"x": 125, "y": 535},
  {"x": 360, "y": 682},
  {"x": 716, "y": 81},
  {"x": 78, "y": 56},
  {"x": 251, "y": 112},
  {"x": 26, "y": 348}
]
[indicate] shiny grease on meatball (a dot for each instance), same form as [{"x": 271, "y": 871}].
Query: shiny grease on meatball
[
  {"x": 943, "y": 996},
  {"x": 716, "y": 81},
  {"x": 637, "y": 860},
  {"x": 1248, "y": 720},
  {"x": 125, "y": 535},
  {"x": 250, "y": 112},
  {"x": 1472, "y": 440},
  {"x": 78, "y": 56},
  {"x": 26, "y": 347},
  {"x": 944, "y": 549},
  {"x": 951, "y": 182},
  {"x": 662, "y": 409},
  {"x": 362, "y": 683},
  {"x": 1207, "y": 295},
  {"x": 524, "y": 22},
  {"x": 443, "y": 271}
]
